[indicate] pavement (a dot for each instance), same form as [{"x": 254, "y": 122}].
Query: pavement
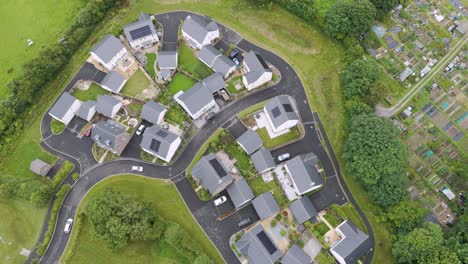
[{"x": 68, "y": 146}]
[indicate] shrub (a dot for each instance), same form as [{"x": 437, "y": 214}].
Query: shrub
[
  {"x": 283, "y": 232},
  {"x": 273, "y": 223},
  {"x": 75, "y": 176},
  {"x": 300, "y": 243},
  {"x": 279, "y": 217},
  {"x": 66, "y": 168},
  {"x": 56, "y": 126}
]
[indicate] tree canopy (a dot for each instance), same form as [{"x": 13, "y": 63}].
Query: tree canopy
[
  {"x": 348, "y": 18},
  {"x": 405, "y": 215},
  {"x": 383, "y": 7},
  {"x": 116, "y": 219}
]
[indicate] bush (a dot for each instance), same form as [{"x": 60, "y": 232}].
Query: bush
[
  {"x": 283, "y": 232},
  {"x": 300, "y": 243},
  {"x": 180, "y": 240},
  {"x": 29, "y": 189},
  {"x": 66, "y": 168},
  {"x": 273, "y": 223},
  {"x": 75, "y": 176},
  {"x": 203, "y": 194},
  {"x": 56, "y": 126}
]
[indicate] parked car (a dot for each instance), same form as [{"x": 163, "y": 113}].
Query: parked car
[
  {"x": 236, "y": 61},
  {"x": 140, "y": 129},
  {"x": 244, "y": 222},
  {"x": 220, "y": 200},
  {"x": 88, "y": 131},
  {"x": 68, "y": 225},
  {"x": 283, "y": 157},
  {"x": 137, "y": 168},
  {"x": 234, "y": 53}
]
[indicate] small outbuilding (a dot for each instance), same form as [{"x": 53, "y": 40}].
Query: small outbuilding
[
  {"x": 40, "y": 167},
  {"x": 250, "y": 141},
  {"x": 265, "y": 205},
  {"x": 240, "y": 192}
]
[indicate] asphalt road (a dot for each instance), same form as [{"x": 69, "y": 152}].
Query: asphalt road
[{"x": 67, "y": 145}]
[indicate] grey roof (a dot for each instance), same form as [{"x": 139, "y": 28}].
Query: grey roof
[
  {"x": 257, "y": 246},
  {"x": 105, "y": 104},
  {"x": 114, "y": 81},
  {"x": 86, "y": 108},
  {"x": 198, "y": 28},
  {"x": 265, "y": 205},
  {"x": 211, "y": 174},
  {"x": 106, "y": 133},
  {"x": 296, "y": 255},
  {"x": 62, "y": 105},
  {"x": 141, "y": 28},
  {"x": 196, "y": 97},
  {"x": 107, "y": 48},
  {"x": 208, "y": 54},
  {"x": 303, "y": 209},
  {"x": 355, "y": 244},
  {"x": 257, "y": 66},
  {"x": 167, "y": 59},
  {"x": 158, "y": 140},
  {"x": 151, "y": 111},
  {"x": 214, "y": 82},
  {"x": 40, "y": 167},
  {"x": 240, "y": 192},
  {"x": 223, "y": 64},
  {"x": 279, "y": 111},
  {"x": 263, "y": 160},
  {"x": 250, "y": 141},
  {"x": 304, "y": 172}
]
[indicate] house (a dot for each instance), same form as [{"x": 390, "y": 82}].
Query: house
[
  {"x": 265, "y": 205},
  {"x": 281, "y": 113},
  {"x": 256, "y": 71},
  {"x": 214, "y": 83},
  {"x": 113, "y": 82},
  {"x": 167, "y": 60},
  {"x": 65, "y": 108},
  {"x": 213, "y": 58},
  {"x": 258, "y": 247},
  {"x": 87, "y": 110},
  {"x": 110, "y": 135},
  {"x": 211, "y": 173},
  {"x": 141, "y": 34},
  {"x": 353, "y": 243},
  {"x": 425, "y": 71},
  {"x": 199, "y": 32},
  {"x": 196, "y": 101},
  {"x": 250, "y": 141},
  {"x": 296, "y": 255},
  {"x": 109, "y": 52},
  {"x": 108, "y": 105},
  {"x": 303, "y": 172},
  {"x": 160, "y": 142},
  {"x": 240, "y": 193},
  {"x": 303, "y": 210},
  {"x": 153, "y": 112},
  {"x": 39, "y": 167},
  {"x": 405, "y": 74},
  {"x": 263, "y": 160},
  {"x": 448, "y": 193}
]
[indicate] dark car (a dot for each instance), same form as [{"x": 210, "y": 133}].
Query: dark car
[
  {"x": 244, "y": 222},
  {"x": 233, "y": 53}
]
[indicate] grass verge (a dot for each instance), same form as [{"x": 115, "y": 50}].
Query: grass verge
[{"x": 56, "y": 126}]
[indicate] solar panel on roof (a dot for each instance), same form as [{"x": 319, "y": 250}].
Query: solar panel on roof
[
  {"x": 276, "y": 112},
  {"x": 162, "y": 133},
  {"x": 287, "y": 107},
  {"x": 140, "y": 32},
  {"x": 155, "y": 145},
  {"x": 266, "y": 242},
  {"x": 218, "y": 168}
]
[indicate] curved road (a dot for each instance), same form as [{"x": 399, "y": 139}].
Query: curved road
[{"x": 68, "y": 145}]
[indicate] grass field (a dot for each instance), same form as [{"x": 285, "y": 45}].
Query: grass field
[
  {"x": 92, "y": 93},
  {"x": 149, "y": 67},
  {"x": 136, "y": 84},
  {"x": 191, "y": 64},
  {"x": 20, "y": 226},
  {"x": 180, "y": 82},
  {"x": 167, "y": 203},
  {"x": 29, "y": 19}
]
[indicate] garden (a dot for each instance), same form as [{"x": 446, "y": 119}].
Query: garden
[
  {"x": 180, "y": 82},
  {"x": 272, "y": 143},
  {"x": 136, "y": 84},
  {"x": 190, "y": 64},
  {"x": 150, "y": 61},
  {"x": 92, "y": 93}
]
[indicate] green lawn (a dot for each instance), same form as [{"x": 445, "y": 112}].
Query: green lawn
[
  {"x": 251, "y": 109},
  {"x": 272, "y": 143},
  {"x": 258, "y": 187},
  {"x": 20, "y": 226},
  {"x": 136, "y": 84},
  {"x": 56, "y": 126},
  {"x": 149, "y": 67},
  {"x": 29, "y": 19},
  {"x": 180, "y": 82},
  {"x": 92, "y": 93},
  {"x": 166, "y": 202},
  {"x": 176, "y": 115},
  {"x": 231, "y": 85},
  {"x": 190, "y": 63},
  {"x": 325, "y": 258}
]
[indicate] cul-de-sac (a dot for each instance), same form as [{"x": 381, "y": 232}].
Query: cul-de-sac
[{"x": 234, "y": 131}]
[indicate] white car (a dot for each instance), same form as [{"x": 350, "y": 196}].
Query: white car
[
  {"x": 140, "y": 129},
  {"x": 137, "y": 168},
  {"x": 220, "y": 200},
  {"x": 283, "y": 157},
  {"x": 68, "y": 225}
]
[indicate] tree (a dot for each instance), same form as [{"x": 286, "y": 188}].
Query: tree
[
  {"x": 356, "y": 107},
  {"x": 383, "y": 7},
  {"x": 348, "y": 18},
  {"x": 116, "y": 219},
  {"x": 203, "y": 259},
  {"x": 405, "y": 215},
  {"x": 360, "y": 80},
  {"x": 302, "y": 8},
  {"x": 389, "y": 190},
  {"x": 373, "y": 149}
]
